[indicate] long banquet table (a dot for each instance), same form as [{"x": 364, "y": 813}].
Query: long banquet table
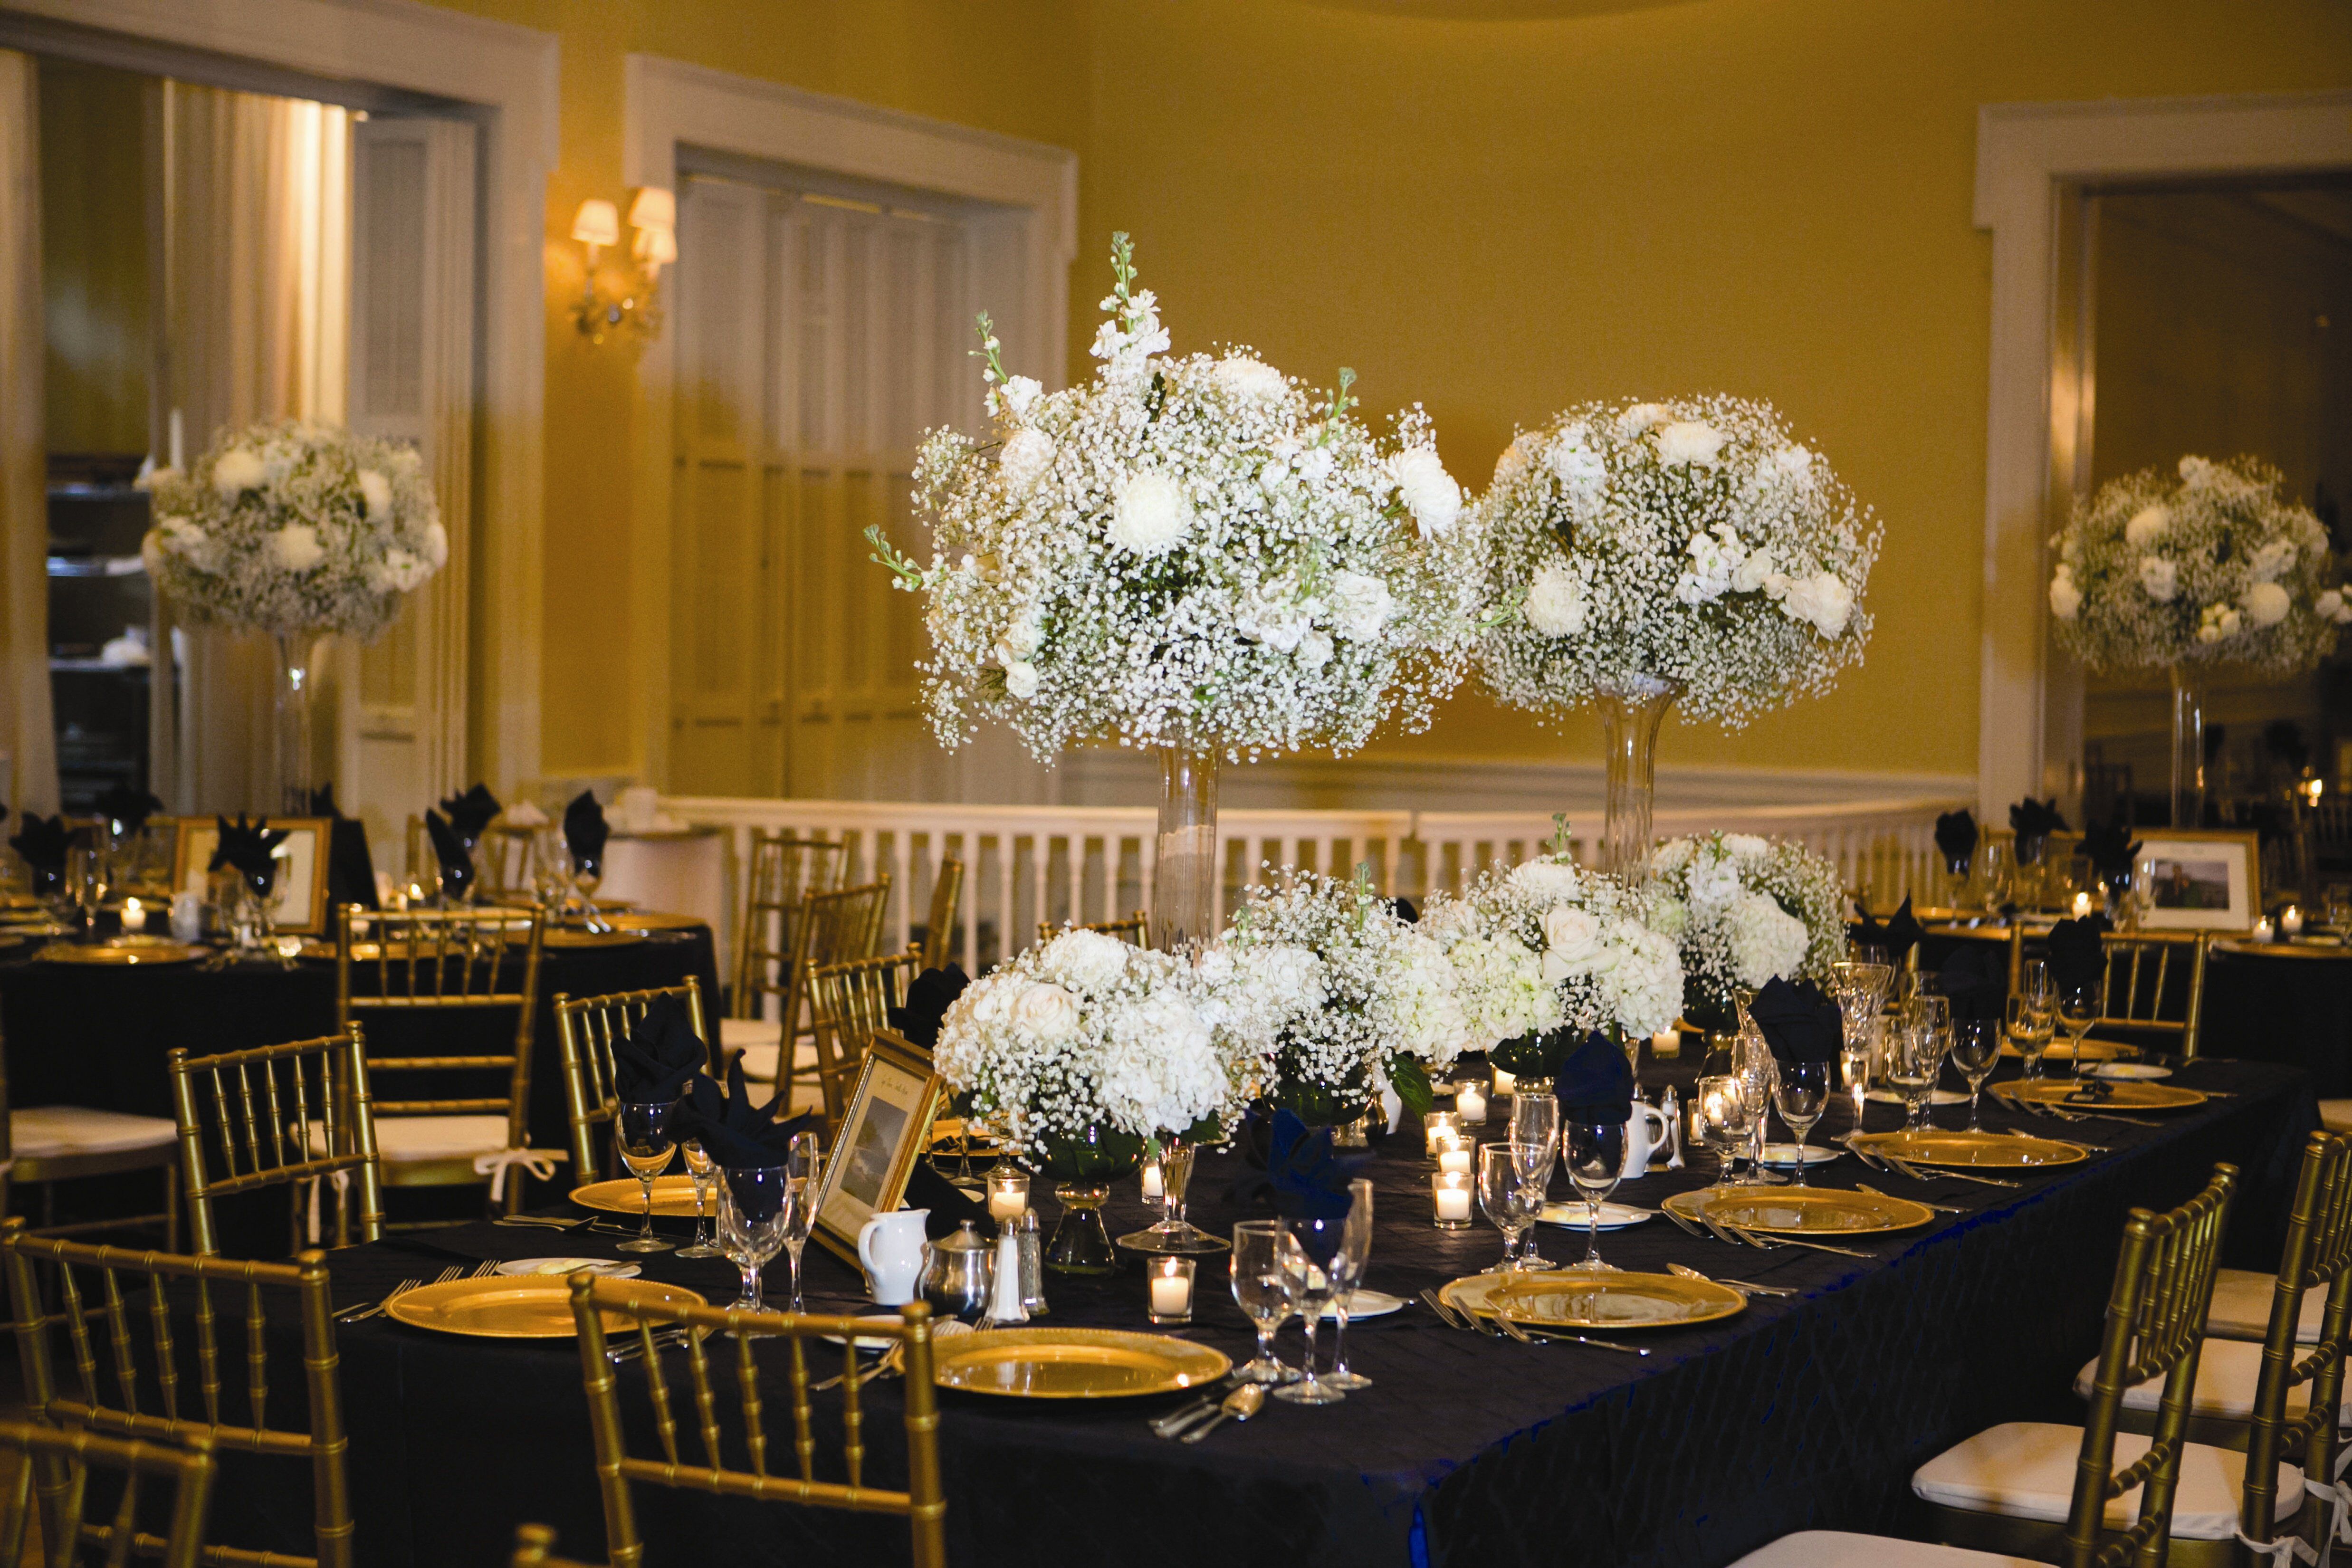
[{"x": 1808, "y": 1411}]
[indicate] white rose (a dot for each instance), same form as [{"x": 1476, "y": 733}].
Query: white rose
[
  {"x": 1026, "y": 455},
  {"x": 2266, "y": 604},
  {"x": 1547, "y": 879},
  {"x": 437, "y": 544},
  {"x": 237, "y": 470},
  {"x": 1019, "y": 641},
  {"x": 296, "y": 547},
  {"x": 2148, "y": 523},
  {"x": 1689, "y": 443},
  {"x": 1252, "y": 380},
  {"x": 2159, "y": 577},
  {"x": 1429, "y": 491},
  {"x": 1020, "y": 678},
  {"x": 1641, "y": 416},
  {"x": 1823, "y": 599},
  {"x": 1556, "y": 602},
  {"x": 1151, "y": 514},
  {"x": 2065, "y": 598},
  {"x": 1045, "y": 1012},
  {"x": 1019, "y": 392},
  {"x": 375, "y": 495},
  {"x": 1315, "y": 649},
  {"x": 1360, "y": 604},
  {"x": 2329, "y": 605},
  {"x": 1570, "y": 932},
  {"x": 1089, "y": 959}
]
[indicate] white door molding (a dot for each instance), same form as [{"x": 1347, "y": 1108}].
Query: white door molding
[
  {"x": 670, "y": 105},
  {"x": 506, "y": 77},
  {"x": 2031, "y": 159}
]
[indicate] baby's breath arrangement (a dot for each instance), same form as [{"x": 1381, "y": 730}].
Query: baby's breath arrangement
[
  {"x": 1744, "y": 909},
  {"x": 2194, "y": 567},
  {"x": 295, "y": 528},
  {"x": 1194, "y": 550},
  {"x": 1354, "y": 995},
  {"x": 1690, "y": 545}
]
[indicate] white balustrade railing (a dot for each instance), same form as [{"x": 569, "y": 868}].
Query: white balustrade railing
[{"x": 1025, "y": 864}]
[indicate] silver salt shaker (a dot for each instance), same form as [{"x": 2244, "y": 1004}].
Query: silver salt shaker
[{"x": 1031, "y": 1238}]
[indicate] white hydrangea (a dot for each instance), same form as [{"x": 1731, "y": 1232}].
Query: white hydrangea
[
  {"x": 1742, "y": 909},
  {"x": 1764, "y": 940},
  {"x": 1087, "y": 959}
]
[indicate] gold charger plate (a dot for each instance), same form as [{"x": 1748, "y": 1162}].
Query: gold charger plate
[
  {"x": 2093, "y": 1051},
  {"x": 559, "y": 936},
  {"x": 651, "y": 919},
  {"x": 2119, "y": 1095},
  {"x": 1587, "y": 1298},
  {"x": 1989, "y": 1151},
  {"x": 1073, "y": 1363},
  {"x": 1801, "y": 1210},
  {"x": 673, "y": 1196},
  {"x": 506, "y": 1308},
  {"x": 152, "y": 951}
]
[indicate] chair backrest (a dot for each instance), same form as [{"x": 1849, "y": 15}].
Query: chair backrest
[
  {"x": 2317, "y": 1256},
  {"x": 436, "y": 961},
  {"x": 848, "y": 1002},
  {"x": 587, "y": 1029},
  {"x": 535, "y": 1548},
  {"x": 2155, "y": 1325},
  {"x": 1136, "y": 928},
  {"x": 64, "y": 1457},
  {"x": 747, "y": 1470},
  {"x": 276, "y": 1116},
  {"x": 832, "y": 927},
  {"x": 939, "y": 927},
  {"x": 91, "y": 1297},
  {"x": 507, "y": 860},
  {"x": 783, "y": 870},
  {"x": 2156, "y": 982}
]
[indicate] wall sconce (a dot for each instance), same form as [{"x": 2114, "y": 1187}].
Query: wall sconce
[{"x": 633, "y": 304}]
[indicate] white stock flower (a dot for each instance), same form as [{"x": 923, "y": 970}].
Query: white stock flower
[
  {"x": 2158, "y": 578},
  {"x": 1020, "y": 678},
  {"x": 1429, "y": 491},
  {"x": 1026, "y": 454},
  {"x": 297, "y": 547},
  {"x": 237, "y": 470},
  {"x": 375, "y": 496},
  {"x": 1251, "y": 379},
  {"x": 1689, "y": 443},
  {"x": 1555, "y": 602},
  {"x": 2266, "y": 605},
  {"x": 1152, "y": 515},
  {"x": 2147, "y": 524}
]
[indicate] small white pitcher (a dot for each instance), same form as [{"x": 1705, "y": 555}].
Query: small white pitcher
[
  {"x": 1649, "y": 1131},
  {"x": 895, "y": 1252}
]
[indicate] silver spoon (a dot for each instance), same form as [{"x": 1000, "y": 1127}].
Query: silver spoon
[{"x": 1240, "y": 1405}]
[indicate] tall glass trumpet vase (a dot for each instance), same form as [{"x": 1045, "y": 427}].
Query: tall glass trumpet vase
[
  {"x": 1174, "y": 1232},
  {"x": 2188, "y": 748},
  {"x": 1629, "y": 731},
  {"x": 1184, "y": 866},
  {"x": 292, "y": 692}
]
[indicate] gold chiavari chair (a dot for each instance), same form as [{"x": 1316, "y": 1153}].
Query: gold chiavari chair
[
  {"x": 782, "y": 873},
  {"x": 535, "y": 1548},
  {"x": 834, "y": 928},
  {"x": 923, "y": 1503},
  {"x": 2153, "y": 984},
  {"x": 508, "y": 857},
  {"x": 67, "y": 1457},
  {"x": 1136, "y": 928},
  {"x": 295, "y": 1115},
  {"x": 93, "y": 1298},
  {"x": 939, "y": 927},
  {"x": 588, "y": 1027},
  {"x": 52, "y": 1143},
  {"x": 848, "y": 1002},
  {"x": 423, "y": 966}
]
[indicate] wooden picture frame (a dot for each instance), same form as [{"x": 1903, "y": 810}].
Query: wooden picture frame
[
  {"x": 299, "y": 902},
  {"x": 884, "y": 1130},
  {"x": 2194, "y": 867}
]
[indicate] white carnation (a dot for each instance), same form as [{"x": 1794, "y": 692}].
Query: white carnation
[
  {"x": 2147, "y": 524},
  {"x": 2158, "y": 578},
  {"x": 297, "y": 547},
  {"x": 1152, "y": 515},
  {"x": 1358, "y": 605},
  {"x": 1556, "y": 600},
  {"x": 1020, "y": 678},
  {"x": 1085, "y": 960},
  {"x": 237, "y": 470},
  {"x": 1822, "y": 599},
  {"x": 1429, "y": 491},
  {"x": 2266, "y": 604},
  {"x": 1025, "y": 456},
  {"x": 2065, "y": 598},
  {"x": 1315, "y": 649},
  {"x": 1547, "y": 879},
  {"x": 1250, "y": 379},
  {"x": 1689, "y": 443}
]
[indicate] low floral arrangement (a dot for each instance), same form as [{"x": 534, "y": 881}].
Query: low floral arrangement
[
  {"x": 2195, "y": 567},
  {"x": 1744, "y": 909},
  {"x": 1545, "y": 954},
  {"x": 1190, "y": 550},
  {"x": 1087, "y": 1043},
  {"x": 1354, "y": 997},
  {"x": 295, "y": 528},
  {"x": 1690, "y": 546}
]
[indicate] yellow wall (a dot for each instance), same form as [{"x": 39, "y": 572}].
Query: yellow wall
[
  {"x": 94, "y": 271},
  {"x": 1768, "y": 197}
]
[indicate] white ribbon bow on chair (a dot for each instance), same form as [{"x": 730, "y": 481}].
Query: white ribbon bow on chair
[
  {"x": 539, "y": 1162},
  {"x": 343, "y": 1180}
]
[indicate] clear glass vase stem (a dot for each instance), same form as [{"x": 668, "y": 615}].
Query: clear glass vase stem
[
  {"x": 2188, "y": 748},
  {"x": 290, "y": 741},
  {"x": 1629, "y": 729},
  {"x": 1185, "y": 866}
]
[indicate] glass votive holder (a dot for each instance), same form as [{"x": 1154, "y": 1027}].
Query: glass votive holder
[
  {"x": 1470, "y": 1102},
  {"x": 1450, "y": 1189},
  {"x": 1170, "y": 1280},
  {"x": 1436, "y": 1125},
  {"x": 1155, "y": 1185},
  {"x": 1505, "y": 1083},
  {"x": 1455, "y": 1153},
  {"x": 1666, "y": 1045},
  {"x": 1008, "y": 1194}
]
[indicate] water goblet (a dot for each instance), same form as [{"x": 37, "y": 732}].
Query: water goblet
[
  {"x": 1911, "y": 1067},
  {"x": 1595, "y": 1156},
  {"x": 803, "y": 1170},
  {"x": 1347, "y": 1269},
  {"x": 1504, "y": 1195},
  {"x": 2077, "y": 1010},
  {"x": 1257, "y": 1291},
  {"x": 1535, "y": 1133},
  {"x": 2029, "y": 1032},
  {"x": 1756, "y": 1072},
  {"x": 1853, "y": 1068},
  {"x": 1801, "y": 1095},
  {"x": 755, "y": 1201},
  {"x": 1725, "y": 1120},
  {"x": 1303, "y": 1252},
  {"x": 700, "y": 1168},
  {"x": 1975, "y": 1050},
  {"x": 641, "y": 1135}
]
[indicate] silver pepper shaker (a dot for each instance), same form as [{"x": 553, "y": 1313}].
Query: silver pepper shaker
[
  {"x": 1031, "y": 1238},
  {"x": 1671, "y": 1104}
]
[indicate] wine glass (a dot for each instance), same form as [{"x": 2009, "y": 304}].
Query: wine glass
[
  {"x": 1347, "y": 1269},
  {"x": 2078, "y": 1009},
  {"x": 1509, "y": 1196},
  {"x": 2029, "y": 1031},
  {"x": 699, "y": 1169},
  {"x": 1595, "y": 1154},
  {"x": 1303, "y": 1252},
  {"x": 1535, "y": 1134},
  {"x": 1975, "y": 1050},
  {"x": 1756, "y": 1072},
  {"x": 641, "y": 1135},
  {"x": 86, "y": 887},
  {"x": 587, "y": 872},
  {"x": 1801, "y": 1095},
  {"x": 804, "y": 1171},
  {"x": 1911, "y": 1069},
  {"x": 1853, "y": 1064},
  {"x": 754, "y": 1202},
  {"x": 1724, "y": 1120},
  {"x": 1257, "y": 1291}
]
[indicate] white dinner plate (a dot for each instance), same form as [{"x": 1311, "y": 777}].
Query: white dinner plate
[
  {"x": 1941, "y": 1097},
  {"x": 603, "y": 1268},
  {"x": 2130, "y": 1070},
  {"x": 942, "y": 1329},
  {"x": 1784, "y": 1155},
  {"x": 1368, "y": 1304},
  {"x": 1613, "y": 1216}
]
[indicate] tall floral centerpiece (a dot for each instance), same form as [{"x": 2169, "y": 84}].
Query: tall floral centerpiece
[
  {"x": 1689, "y": 551},
  {"x": 1546, "y": 953},
  {"x": 2186, "y": 569},
  {"x": 297, "y": 531},
  {"x": 1744, "y": 909},
  {"x": 1192, "y": 554}
]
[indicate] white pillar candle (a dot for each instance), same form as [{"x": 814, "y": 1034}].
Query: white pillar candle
[
  {"x": 1505, "y": 1083},
  {"x": 1453, "y": 1192},
  {"x": 1667, "y": 1043},
  {"x": 134, "y": 915},
  {"x": 1470, "y": 1103},
  {"x": 1152, "y": 1187},
  {"x": 2291, "y": 919}
]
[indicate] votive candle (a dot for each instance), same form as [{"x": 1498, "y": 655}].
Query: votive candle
[
  {"x": 1152, "y": 1187},
  {"x": 1437, "y": 1126},
  {"x": 2081, "y": 905},
  {"x": 1505, "y": 1083},
  {"x": 1455, "y": 1154},
  {"x": 1170, "y": 1280},
  {"x": 1470, "y": 1103},
  {"x": 1451, "y": 1191},
  {"x": 134, "y": 915},
  {"x": 2263, "y": 928},
  {"x": 2291, "y": 919},
  {"x": 1008, "y": 1195},
  {"x": 1667, "y": 1043}
]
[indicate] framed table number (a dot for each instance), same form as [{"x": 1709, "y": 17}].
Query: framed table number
[
  {"x": 299, "y": 902},
  {"x": 884, "y": 1131}
]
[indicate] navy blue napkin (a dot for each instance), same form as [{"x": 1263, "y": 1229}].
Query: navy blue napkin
[
  {"x": 2111, "y": 848},
  {"x": 2033, "y": 821},
  {"x": 586, "y": 830},
  {"x": 1955, "y": 838},
  {"x": 127, "y": 809},
  {"x": 1595, "y": 1083},
  {"x": 1304, "y": 1179},
  {"x": 41, "y": 841},
  {"x": 251, "y": 850},
  {"x": 471, "y": 812},
  {"x": 1899, "y": 935},
  {"x": 1976, "y": 980},
  {"x": 456, "y": 860},
  {"x": 737, "y": 1134},
  {"x": 928, "y": 1000},
  {"x": 1799, "y": 1023},
  {"x": 654, "y": 1064},
  {"x": 2077, "y": 954},
  {"x": 350, "y": 869}
]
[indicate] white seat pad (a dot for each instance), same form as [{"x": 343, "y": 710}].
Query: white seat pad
[
  {"x": 52, "y": 1131},
  {"x": 1836, "y": 1549},
  {"x": 400, "y": 1140},
  {"x": 743, "y": 1033},
  {"x": 2025, "y": 1469},
  {"x": 2227, "y": 1371},
  {"x": 2336, "y": 1115},
  {"x": 2241, "y": 1307},
  {"x": 760, "y": 1061}
]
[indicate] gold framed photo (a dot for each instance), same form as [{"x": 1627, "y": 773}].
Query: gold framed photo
[
  {"x": 299, "y": 902},
  {"x": 2200, "y": 879},
  {"x": 884, "y": 1131}
]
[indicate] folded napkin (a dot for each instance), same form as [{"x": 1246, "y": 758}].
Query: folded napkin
[
  {"x": 456, "y": 860},
  {"x": 2033, "y": 821},
  {"x": 928, "y": 1000},
  {"x": 1403, "y": 909},
  {"x": 471, "y": 812},
  {"x": 1899, "y": 935},
  {"x": 737, "y": 1134},
  {"x": 584, "y": 831},
  {"x": 251, "y": 850},
  {"x": 653, "y": 1066},
  {"x": 2077, "y": 955},
  {"x": 351, "y": 869},
  {"x": 1976, "y": 980},
  {"x": 1955, "y": 838},
  {"x": 322, "y": 802},
  {"x": 127, "y": 809},
  {"x": 1595, "y": 1083},
  {"x": 2111, "y": 848},
  {"x": 1799, "y": 1023},
  {"x": 2091, "y": 1092},
  {"x": 42, "y": 840},
  {"x": 1304, "y": 1179}
]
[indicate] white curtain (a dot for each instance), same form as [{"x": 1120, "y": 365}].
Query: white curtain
[
  {"x": 28, "y": 760},
  {"x": 256, "y": 327}
]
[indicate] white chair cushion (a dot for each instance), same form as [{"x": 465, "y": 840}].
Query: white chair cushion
[
  {"x": 2025, "y": 1469},
  {"x": 2227, "y": 1371},
  {"x": 52, "y": 1131},
  {"x": 400, "y": 1140},
  {"x": 760, "y": 1061},
  {"x": 2336, "y": 1115},
  {"x": 746, "y": 1034},
  {"x": 1836, "y": 1549},
  {"x": 2241, "y": 1307}
]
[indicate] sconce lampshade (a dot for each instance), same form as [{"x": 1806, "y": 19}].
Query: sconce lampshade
[
  {"x": 656, "y": 246},
  {"x": 599, "y": 223},
  {"x": 653, "y": 208}
]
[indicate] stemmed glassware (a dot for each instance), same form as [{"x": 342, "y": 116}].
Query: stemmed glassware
[
  {"x": 2077, "y": 1010},
  {"x": 1258, "y": 1293},
  {"x": 1303, "y": 1251},
  {"x": 1756, "y": 1072},
  {"x": 1595, "y": 1152},
  {"x": 1802, "y": 1094},
  {"x": 86, "y": 885},
  {"x": 803, "y": 1170},
  {"x": 2030, "y": 1027},
  {"x": 1535, "y": 1134},
  {"x": 1511, "y": 1197},
  {"x": 587, "y": 873},
  {"x": 1347, "y": 1270},
  {"x": 1724, "y": 1120},
  {"x": 754, "y": 1207},
  {"x": 641, "y": 1134},
  {"x": 1975, "y": 1050},
  {"x": 699, "y": 1169},
  {"x": 1913, "y": 1062}
]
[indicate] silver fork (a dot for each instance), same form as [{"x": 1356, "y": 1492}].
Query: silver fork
[
  {"x": 1903, "y": 1168},
  {"x": 483, "y": 1269},
  {"x": 395, "y": 1294},
  {"x": 1455, "y": 1318},
  {"x": 1770, "y": 1242},
  {"x": 1538, "y": 1335},
  {"x": 1742, "y": 1286},
  {"x": 1940, "y": 1208}
]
